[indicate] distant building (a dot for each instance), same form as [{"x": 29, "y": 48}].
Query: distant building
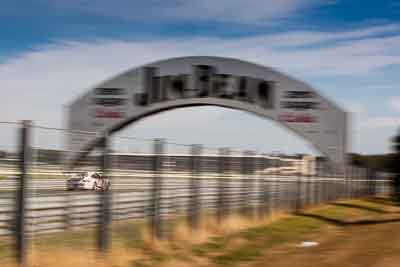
[{"x": 309, "y": 165}]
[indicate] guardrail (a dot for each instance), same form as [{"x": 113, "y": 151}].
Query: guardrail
[
  {"x": 221, "y": 182},
  {"x": 51, "y": 208}
]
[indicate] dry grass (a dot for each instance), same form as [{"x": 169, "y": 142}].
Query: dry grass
[
  {"x": 133, "y": 245},
  {"x": 236, "y": 240},
  {"x": 209, "y": 226}
]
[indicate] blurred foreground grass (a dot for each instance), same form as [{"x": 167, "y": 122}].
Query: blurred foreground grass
[{"x": 238, "y": 241}]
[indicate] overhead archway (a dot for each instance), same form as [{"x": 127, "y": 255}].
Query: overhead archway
[{"x": 199, "y": 81}]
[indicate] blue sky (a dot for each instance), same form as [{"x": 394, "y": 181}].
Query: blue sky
[{"x": 52, "y": 50}]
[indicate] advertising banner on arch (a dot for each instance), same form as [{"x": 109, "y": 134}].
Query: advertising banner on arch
[{"x": 195, "y": 81}]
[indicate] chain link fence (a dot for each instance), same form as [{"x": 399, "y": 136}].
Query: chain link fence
[
  {"x": 158, "y": 182},
  {"x": 8, "y": 172}
]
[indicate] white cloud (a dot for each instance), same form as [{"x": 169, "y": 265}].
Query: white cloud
[
  {"x": 303, "y": 38},
  {"x": 372, "y": 134},
  {"x": 394, "y": 103},
  {"x": 38, "y": 83},
  {"x": 237, "y": 11},
  {"x": 356, "y": 108},
  {"x": 382, "y": 122}
]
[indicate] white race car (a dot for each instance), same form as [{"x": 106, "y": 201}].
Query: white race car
[{"x": 88, "y": 181}]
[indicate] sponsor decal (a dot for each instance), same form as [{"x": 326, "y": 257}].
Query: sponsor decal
[
  {"x": 299, "y": 100},
  {"x": 299, "y": 94},
  {"x": 299, "y": 105},
  {"x": 204, "y": 81},
  {"x": 110, "y": 91},
  {"x": 101, "y": 114},
  {"x": 109, "y": 103},
  {"x": 109, "y": 97},
  {"x": 297, "y": 118}
]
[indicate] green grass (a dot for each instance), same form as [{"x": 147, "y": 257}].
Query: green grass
[
  {"x": 389, "y": 201},
  {"x": 73, "y": 239},
  {"x": 341, "y": 213},
  {"x": 254, "y": 241},
  {"x": 128, "y": 234},
  {"x": 141, "y": 263},
  {"x": 6, "y": 248},
  {"x": 223, "y": 250},
  {"x": 203, "y": 249},
  {"x": 241, "y": 254},
  {"x": 365, "y": 205},
  {"x": 338, "y": 213}
]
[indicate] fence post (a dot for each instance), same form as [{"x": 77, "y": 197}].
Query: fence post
[
  {"x": 251, "y": 185},
  {"x": 351, "y": 181},
  {"x": 244, "y": 192},
  {"x": 364, "y": 177},
  {"x": 374, "y": 185},
  {"x": 276, "y": 190},
  {"x": 368, "y": 181},
  {"x": 67, "y": 210},
  {"x": 105, "y": 199},
  {"x": 298, "y": 193},
  {"x": 351, "y": 177},
  {"x": 263, "y": 183},
  {"x": 317, "y": 186},
  {"x": 359, "y": 182},
  {"x": 346, "y": 182},
  {"x": 355, "y": 182},
  {"x": 311, "y": 186},
  {"x": 308, "y": 189},
  {"x": 156, "y": 227},
  {"x": 194, "y": 208},
  {"x": 223, "y": 167},
  {"x": 323, "y": 185},
  {"x": 24, "y": 158}
]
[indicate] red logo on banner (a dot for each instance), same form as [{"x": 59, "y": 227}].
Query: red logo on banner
[
  {"x": 297, "y": 118},
  {"x": 108, "y": 114}
]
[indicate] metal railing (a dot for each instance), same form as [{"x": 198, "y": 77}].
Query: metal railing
[
  {"x": 133, "y": 198},
  {"x": 161, "y": 186}
]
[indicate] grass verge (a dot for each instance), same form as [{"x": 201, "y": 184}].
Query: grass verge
[{"x": 236, "y": 241}]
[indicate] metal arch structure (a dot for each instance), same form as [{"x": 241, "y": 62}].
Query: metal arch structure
[{"x": 198, "y": 81}]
